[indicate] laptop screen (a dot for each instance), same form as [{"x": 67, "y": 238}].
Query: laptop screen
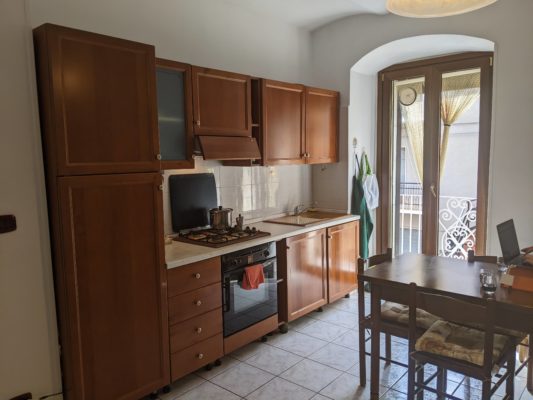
[{"x": 508, "y": 240}]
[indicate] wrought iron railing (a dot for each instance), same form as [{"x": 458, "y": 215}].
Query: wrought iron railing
[{"x": 457, "y": 222}]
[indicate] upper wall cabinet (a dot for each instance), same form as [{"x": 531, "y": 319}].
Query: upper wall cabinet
[
  {"x": 283, "y": 118},
  {"x": 222, "y": 103},
  {"x": 321, "y": 125},
  {"x": 97, "y": 96},
  {"x": 174, "y": 106}
]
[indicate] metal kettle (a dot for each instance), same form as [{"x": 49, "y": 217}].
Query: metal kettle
[{"x": 220, "y": 218}]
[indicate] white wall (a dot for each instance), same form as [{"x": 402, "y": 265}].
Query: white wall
[
  {"x": 29, "y": 358},
  {"x": 336, "y": 47},
  {"x": 203, "y": 32}
]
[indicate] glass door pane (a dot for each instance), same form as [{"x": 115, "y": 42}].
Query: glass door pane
[
  {"x": 408, "y": 160},
  {"x": 458, "y": 169}
]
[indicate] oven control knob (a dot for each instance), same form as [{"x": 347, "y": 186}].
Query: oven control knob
[
  {"x": 198, "y": 303},
  {"x": 267, "y": 253},
  {"x": 198, "y": 330},
  {"x": 197, "y": 275},
  {"x": 235, "y": 262},
  {"x": 199, "y": 356}
]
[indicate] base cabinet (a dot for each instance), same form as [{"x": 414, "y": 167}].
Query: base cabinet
[
  {"x": 317, "y": 268},
  {"x": 343, "y": 251},
  {"x": 303, "y": 268},
  {"x": 195, "y": 316}
]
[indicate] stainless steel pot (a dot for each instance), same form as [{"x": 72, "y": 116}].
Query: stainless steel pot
[{"x": 220, "y": 218}]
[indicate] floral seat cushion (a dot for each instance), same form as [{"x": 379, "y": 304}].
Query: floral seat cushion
[
  {"x": 399, "y": 314},
  {"x": 459, "y": 342}
]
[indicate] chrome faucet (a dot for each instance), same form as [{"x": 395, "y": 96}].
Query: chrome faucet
[{"x": 299, "y": 209}]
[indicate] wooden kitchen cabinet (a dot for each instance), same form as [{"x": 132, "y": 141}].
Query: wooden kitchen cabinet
[
  {"x": 343, "y": 251},
  {"x": 283, "y": 119},
  {"x": 175, "y": 114},
  {"x": 321, "y": 126},
  {"x": 98, "y": 102},
  {"x": 111, "y": 285},
  {"x": 303, "y": 268},
  {"x": 221, "y": 103},
  {"x": 195, "y": 316}
]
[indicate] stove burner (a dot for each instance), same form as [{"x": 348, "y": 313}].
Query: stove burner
[{"x": 217, "y": 238}]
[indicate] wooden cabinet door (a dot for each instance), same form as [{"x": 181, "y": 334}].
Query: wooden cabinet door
[
  {"x": 283, "y": 123},
  {"x": 174, "y": 108},
  {"x": 112, "y": 274},
  {"x": 342, "y": 259},
  {"x": 222, "y": 102},
  {"x": 98, "y": 102},
  {"x": 321, "y": 125},
  {"x": 306, "y": 273}
]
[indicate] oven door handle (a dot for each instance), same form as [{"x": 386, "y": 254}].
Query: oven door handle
[
  {"x": 279, "y": 281},
  {"x": 226, "y": 300}
]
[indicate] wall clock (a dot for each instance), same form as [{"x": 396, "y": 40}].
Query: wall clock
[{"x": 407, "y": 96}]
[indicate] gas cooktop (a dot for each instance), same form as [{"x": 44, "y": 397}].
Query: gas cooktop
[{"x": 220, "y": 238}]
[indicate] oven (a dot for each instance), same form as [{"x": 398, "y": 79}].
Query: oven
[{"x": 246, "y": 307}]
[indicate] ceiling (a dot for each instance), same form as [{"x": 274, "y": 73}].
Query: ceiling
[{"x": 310, "y": 14}]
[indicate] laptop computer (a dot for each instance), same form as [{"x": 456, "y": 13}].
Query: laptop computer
[{"x": 509, "y": 243}]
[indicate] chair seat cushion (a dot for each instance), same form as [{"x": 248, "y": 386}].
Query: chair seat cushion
[
  {"x": 399, "y": 314},
  {"x": 459, "y": 342}
]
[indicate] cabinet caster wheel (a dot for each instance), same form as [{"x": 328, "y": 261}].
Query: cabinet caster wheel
[
  {"x": 347, "y": 296},
  {"x": 264, "y": 339},
  {"x": 283, "y": 329},
  {"x": 208, "y": 367},
  {"x": 166, "y": 389},
  {"x": 319, "y": 309},
  {"x": 218, "y": 363}
]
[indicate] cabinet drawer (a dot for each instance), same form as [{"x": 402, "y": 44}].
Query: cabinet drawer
[
  {"x": 194, "y": 303},
  {"x": 193, "y": 276},
  {"x": 196, "y": 356},
  {"x": 195, "y": 330}
]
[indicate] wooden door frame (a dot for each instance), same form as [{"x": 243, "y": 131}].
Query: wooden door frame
[{"x": 432, "y": 69}]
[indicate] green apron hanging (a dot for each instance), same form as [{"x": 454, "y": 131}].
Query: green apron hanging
[{"x": 360, "y": 208}]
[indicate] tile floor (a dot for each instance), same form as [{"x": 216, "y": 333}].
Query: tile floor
[{"x": 317, "y": 359}]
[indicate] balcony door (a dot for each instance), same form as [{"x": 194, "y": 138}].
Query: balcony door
[{"x": 433, "y": 155}]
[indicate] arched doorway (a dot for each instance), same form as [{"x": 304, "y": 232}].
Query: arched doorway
[{"x": 363, "y": 114}]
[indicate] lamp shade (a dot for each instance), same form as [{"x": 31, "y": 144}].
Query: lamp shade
[{"x": 434, "y": 8}]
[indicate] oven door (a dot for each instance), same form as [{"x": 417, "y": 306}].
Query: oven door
[{"x": 243, "y": 308}]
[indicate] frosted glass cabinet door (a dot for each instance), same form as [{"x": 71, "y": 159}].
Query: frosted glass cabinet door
[{"x": 174, "y": 105}]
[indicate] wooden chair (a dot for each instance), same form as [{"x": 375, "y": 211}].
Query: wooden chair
[
  {"x": 394, "y": 318},
  {"x": 452, "y": 346},
  {"x": 488, "y": 259}
]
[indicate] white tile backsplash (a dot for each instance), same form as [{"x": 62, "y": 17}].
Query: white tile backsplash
[{"x": 254, "y": 192}]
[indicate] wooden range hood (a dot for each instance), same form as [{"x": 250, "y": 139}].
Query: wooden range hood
[{"x": 229, "y": 147}]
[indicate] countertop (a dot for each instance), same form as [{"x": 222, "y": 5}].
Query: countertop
[{"x": 178, "y": 254}]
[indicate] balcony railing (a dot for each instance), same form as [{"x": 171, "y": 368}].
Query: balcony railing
[{"x": 457, "y": 222}]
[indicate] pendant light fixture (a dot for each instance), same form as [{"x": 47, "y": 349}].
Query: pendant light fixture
[{"x": 434, "y": 8}]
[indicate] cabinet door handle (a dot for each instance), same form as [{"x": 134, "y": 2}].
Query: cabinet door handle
[
  {"x": 158, "y": 156},
  {"x": 199, "y": 356},
  {"x": 329, "y": 236},
  {"x": 160, "y": 187},
  {"x": 197, "y": 275},
  {"x": 198, "y": 303},
  {"x": 198, "y": 330},
  {"x": 288, "y": 248},
  {"x": 198, "y": 122}
]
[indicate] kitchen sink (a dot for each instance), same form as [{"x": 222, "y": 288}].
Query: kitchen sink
[{"x": 304, "y": 219}]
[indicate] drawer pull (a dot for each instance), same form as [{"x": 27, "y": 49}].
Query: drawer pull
[
  {"x": 198, "y": 303},
  {"x": 198, "y": 330},
  {"x": 197, "y": 275},
  {"x": 199, "y": 356}
]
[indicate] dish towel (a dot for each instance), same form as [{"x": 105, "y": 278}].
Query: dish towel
[{"x": 253, "y": 276}]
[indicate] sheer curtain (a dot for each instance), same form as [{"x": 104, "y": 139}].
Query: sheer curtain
[{"x": 459, "y": 92}]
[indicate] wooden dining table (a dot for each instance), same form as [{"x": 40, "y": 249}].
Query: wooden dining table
[{"x": 447, "y": 276}]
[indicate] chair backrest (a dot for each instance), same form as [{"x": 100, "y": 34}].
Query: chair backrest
[
  {"x": 458, "y": 311},
  {"x": 488, "y": 259},
  {"x": 374, "y": 260}
]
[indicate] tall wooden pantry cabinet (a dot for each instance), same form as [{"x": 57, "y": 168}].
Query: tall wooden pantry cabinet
[{"x": 101, "y": 149}]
